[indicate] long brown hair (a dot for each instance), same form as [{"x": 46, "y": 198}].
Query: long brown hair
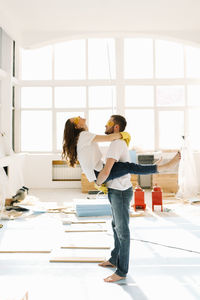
[{"x": 70, "y": 139}]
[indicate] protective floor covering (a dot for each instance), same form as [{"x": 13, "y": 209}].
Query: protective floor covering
[{"x": 164, "y": 259}]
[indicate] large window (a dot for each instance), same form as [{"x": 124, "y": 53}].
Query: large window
[
  {"x": 37, "y": 64},
  {"x": 171, "y": 129},
  {"x": 169, "y": 60},
  {"x": 154, "y": 83},
  {"x": 70, "y": 60},
  {"x": 138, "y": 58}
]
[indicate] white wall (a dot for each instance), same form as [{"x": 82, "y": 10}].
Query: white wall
[
  {"x": 32, "y": 24},
  {"x": 6, "y": 86},
  {"x": 38, "y": 172},
  {"x": 14, "y": 162},
  {"x": 15, "y": 178}
]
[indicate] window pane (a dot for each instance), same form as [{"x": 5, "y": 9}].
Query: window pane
[
  {"x": 36, "y": 97},
  {"x": 140, "y": 125},
  {"x": 36, "y": 131},
  {"x": 37, "y": 64},
  {"x": 101, "y": 59},
  {"x": 70, "y": 97},
  {"x": 169, "y": 60},
  {"x": 171, "y": 129},
  {"x": 138, "y": 58},
  {"x": 193, "y": 92},
  {"x": 194, "y": 125},
  {"x": 192, "y": 62},
  {"x": 70, "y": 60},
  {"x": 139, "y": 95},
  {"x": 61, "y": 118},
  {"x": 98, "y": 120},
  {"x": 102, "y": 96},
  {"x": 170, "y": 95}
]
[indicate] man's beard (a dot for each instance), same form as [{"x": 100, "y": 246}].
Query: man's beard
[{"x": 111, "y": 130}]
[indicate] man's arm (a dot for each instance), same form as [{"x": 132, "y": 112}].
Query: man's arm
[{"x": 103, "y": 175}]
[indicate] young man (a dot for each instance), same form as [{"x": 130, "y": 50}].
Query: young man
[{"x": 120, "y": 193}]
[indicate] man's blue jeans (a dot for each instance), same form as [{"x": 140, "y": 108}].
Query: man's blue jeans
[
  {"x": 122, "y": 168},
  {"x": 120, "y": 203}
]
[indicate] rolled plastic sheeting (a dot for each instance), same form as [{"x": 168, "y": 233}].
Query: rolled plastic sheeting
[{"x": 92, "y": 208}]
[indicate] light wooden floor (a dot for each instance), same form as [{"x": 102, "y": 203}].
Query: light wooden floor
[{"x": 164, "y": 257}]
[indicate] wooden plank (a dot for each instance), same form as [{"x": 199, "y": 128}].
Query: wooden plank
[
  {"x": 68, "y": 212},
  {"x": 167, "y": 182},
  {"x": 76, "y": 246},
  {"x": 25, "y": 251},
  {"x": 62, "y": 162},
  {"x": 86, "y": 186},
  {"x": 59, "y": 162},
  {"x": 88, "y": 222},
  {"x": 134, "y": 180},
  {"x": 56, "y": 209},
  {"x": 67, "y": 222},
  {"x": 78, "y": 259}
]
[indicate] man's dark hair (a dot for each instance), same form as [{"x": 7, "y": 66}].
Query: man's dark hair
[{"x": 119, "y": 120}]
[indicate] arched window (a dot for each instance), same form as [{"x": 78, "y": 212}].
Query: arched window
[{"x": 154, "y": 83}]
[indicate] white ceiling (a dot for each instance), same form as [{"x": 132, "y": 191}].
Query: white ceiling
[{"x": 38, "y": 22}]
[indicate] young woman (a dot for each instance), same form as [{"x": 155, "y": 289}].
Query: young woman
[{"x": 81, "y": 145}]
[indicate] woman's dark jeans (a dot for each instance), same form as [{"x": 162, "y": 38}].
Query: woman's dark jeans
[{"x": 122, "y": 168}]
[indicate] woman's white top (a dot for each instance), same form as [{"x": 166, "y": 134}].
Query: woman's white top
[{"x": 89, "y": 155}]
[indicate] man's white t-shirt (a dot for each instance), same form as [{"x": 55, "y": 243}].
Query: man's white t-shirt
[
  {"x": 119, "y": 151},
  {"x": 89, "y": 155}
]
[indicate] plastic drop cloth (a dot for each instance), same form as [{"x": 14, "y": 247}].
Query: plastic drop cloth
[{"x": 187, "y": 175}]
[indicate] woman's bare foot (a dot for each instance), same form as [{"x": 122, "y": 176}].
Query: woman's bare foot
[
  {"x": 172, "y": 163},
  {"x": 113, "y": 278},
  {"x": 106, "y": 264},
  {"x": 158, "y": 161}
]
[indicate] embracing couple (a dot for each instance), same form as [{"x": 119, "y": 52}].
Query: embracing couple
[{"x": 81, "y": 145}]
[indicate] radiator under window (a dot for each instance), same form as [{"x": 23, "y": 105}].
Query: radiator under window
[{"x": 62, "y": 172}]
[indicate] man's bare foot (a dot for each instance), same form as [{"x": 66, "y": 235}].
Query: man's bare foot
[
  {"x": 113, "y": 278},
  {"x": 106, "y": 264},
  {"x": 169, "y": 165}
]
